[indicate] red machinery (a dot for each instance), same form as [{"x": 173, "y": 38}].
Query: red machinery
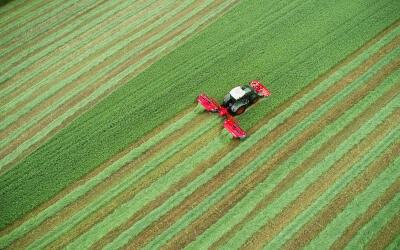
[{"x": 235, "y": 103}]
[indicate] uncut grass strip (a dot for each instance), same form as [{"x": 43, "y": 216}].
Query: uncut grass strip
[
  {"x": 188, "y": 218},
  {"x": 109, "y": 195},
  {"x": 55, "y": 88},
  {"x": 259, "y": 175},
  {"x": 32, "y": 17},
  {"x": 226, "y": 222},
  {"x": 291, "y": 194},
  {"x": 55, "y": 105},
  {"x": 386, "y": 235},
  {"x": 365, "y": 234},
  {"x": 357, "y": 207},
  {"x": 31, "y": 25},
  {"x": 9, "y": 158},
  {"x": 87, "y": 186},
  {"x": 126, "y": 183},
  {"x": 81, "y": 45},
  {"x": 163, "y": 184},
  {"x": 62, "y": 37}
]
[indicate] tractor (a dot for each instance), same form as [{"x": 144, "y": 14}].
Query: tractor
[{"x": 235, "y": 103}]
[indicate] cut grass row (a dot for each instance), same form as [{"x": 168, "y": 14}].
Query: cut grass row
[
  {"x": 83, "y": 189},
  {"x": 357, "y": 206},
  {"x": 187, "y": 219},
  {"x": 128, "y": 136},
  {"x": 333, "y": 190},
  {"x": 250, "y": 201},
  {"x": 109, "y": 195},
  {"x": 114, "y": 80}
]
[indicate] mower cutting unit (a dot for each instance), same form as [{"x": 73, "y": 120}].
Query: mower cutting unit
[{"x": 235, "y": 103}]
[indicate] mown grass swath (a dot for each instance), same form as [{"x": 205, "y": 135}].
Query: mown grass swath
[
  {"x": 115, "y": 80},
  {"x": 251, "y": 200},
  {"x": 83, "y": 189},
  {"x": 118, "y": 218},
  {"x": 132, "y": 116},
  {"x": 356, "y": 207},
  {"x": 365, "y": 234}
]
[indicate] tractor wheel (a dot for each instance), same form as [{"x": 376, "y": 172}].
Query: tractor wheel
[{"x": 240, "y": 110}]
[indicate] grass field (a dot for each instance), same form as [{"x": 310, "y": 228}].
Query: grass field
[{"x": 103, "y": 146}]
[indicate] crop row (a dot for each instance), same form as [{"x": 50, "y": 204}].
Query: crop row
[
  {"x": 13, "y": 5},
  {"x": 250, "y": 201},
  {"x": 357, "y": 207},
  {"x": 83, "y": 189},
  {"x": 94, "y": 142}
]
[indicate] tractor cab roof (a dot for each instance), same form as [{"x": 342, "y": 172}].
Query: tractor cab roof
[{"x": 237, "y": 93}]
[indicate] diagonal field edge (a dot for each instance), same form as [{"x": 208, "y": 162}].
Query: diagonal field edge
[
  {"x": 188, "y": 218},
  {"x": 72, "y": 93},
  {"x": 87, "y": 186},
  {"x": 33, "y": 24},
  {"x": 357, "y": 207},
  {"x": 160, "y": 186},
  {"x": 365, "y": 234},
  {"x": 333, "y": 190},
  {"x": 112, "y": 193},
  {"x": 117, "y": 47},
  {"x": 70, "y": 37},
  {"x": 53, "y": 47},
  {"x": 292, "y": 193},
  {"x": 100, "y": 90},
  {"x": 224, "y": 224},
  {"x": 30, "y": 15}
]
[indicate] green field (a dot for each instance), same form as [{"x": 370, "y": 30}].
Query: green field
[{"x": 103, "y": 146}]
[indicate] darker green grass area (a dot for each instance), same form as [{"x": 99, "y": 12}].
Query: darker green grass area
[{"x": 283, "y": 44}]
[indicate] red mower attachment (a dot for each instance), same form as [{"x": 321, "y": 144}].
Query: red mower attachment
[
  {"x": 260, "y": 89},
  {"x": 208, "y": 103},
  {"x": 233, "y": 127}
]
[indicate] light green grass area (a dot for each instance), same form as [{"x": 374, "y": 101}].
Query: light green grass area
[{"x": 249, "y": 42}]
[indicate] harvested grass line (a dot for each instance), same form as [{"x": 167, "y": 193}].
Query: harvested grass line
[
  {"x": 395, "y": 244},
  {"x": 284, "y": 220},
  {"x": 357, "y": 206},
  {"x": 179, "y": 124},
  {"x": 114, "y": 81},
  {"x": 92, "y": 181},
  {"x": 270, "y": 211},
  {"x": 378, "y": 216},
  {"x": 32, "y": 17},
  {"x": 310, "y": 222},
  {"x": 100, "y": 27},
  {"x": 11, "y": 8},
  {"x": 100, "y": 229},
  {"x": 160, "y": 191},
  {"x": 386, "y": 235},
  {"x": 213, "y": 214},
  {"x": 318, "y": 155},
  {"x": 224, "y": 224},
  {"x": 141, "y": 189},
  {"x": 94, "y": 18},
  {"x": 32, "y": 25},
  {"x": 109, "y": 183},
  {"x": 19, "y": 12}
]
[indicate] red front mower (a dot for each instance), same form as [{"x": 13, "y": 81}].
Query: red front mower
[{"x": 235, "y": 103}]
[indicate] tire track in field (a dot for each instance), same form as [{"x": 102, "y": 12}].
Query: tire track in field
[
  {"x": 274, "y": 226},
  {"x": 92, "y": 175},
  {"x": 387, "y": 235},
  {"x": 117, "y": 177},
  {"x": 357, "y": 186},
  {"x": 373, "y": 209},
  {"x": 239, "y": 164},
  {"x": 142, "y": 67}
]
